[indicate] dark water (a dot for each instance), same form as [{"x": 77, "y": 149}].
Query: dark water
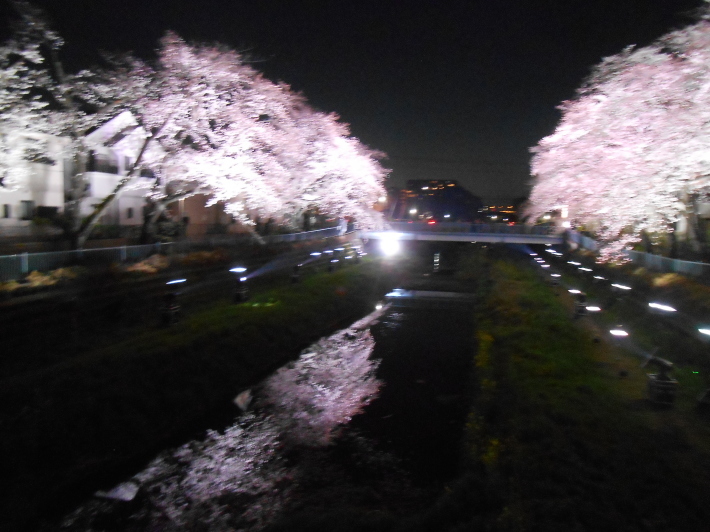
[
  {"x": 426, "y": 359},
  {"x": 394, "y": 457}
]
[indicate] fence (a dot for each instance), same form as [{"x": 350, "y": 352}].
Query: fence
[
  {"x": 664, "y": 264},
  {"x": 460, "y": 227},
  {"x": 18, "y": 266}
]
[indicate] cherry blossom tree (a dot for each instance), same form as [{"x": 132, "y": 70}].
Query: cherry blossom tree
[
  {"x": 630, "y": 154},
  {"x": 209, "y": 124},
  {"x": 219, "y": 128}
]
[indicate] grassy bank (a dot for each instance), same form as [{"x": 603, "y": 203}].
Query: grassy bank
[
  {"x": 69, "y": 425},
  {"x": 556, "y": 441}
]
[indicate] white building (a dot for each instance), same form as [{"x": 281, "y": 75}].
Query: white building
[{"x": 47, "y": 173}]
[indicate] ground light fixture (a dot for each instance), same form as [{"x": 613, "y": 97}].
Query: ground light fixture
[
  {"x": 573, "y": 263},
  {"x": 593, "y": 308},
  {"x": 533, "y": 254},
  {"x": 620, "y": 286},
  {"x": 545, "y": 266},
  {"x": 316, "y": 254},
  {"x": 585, "y": 269},
  {"x": 600, "y": 278},
  {"x": 660, "y": 306},
  {"x": 555, "y": 275},
  {"x": 238, "y": 269},
  {"x": 574, "y": 291},
  {"x": 618, "y": 332},
  {"x": 176, "y": 281},
  {"x": 241, "y": 294}
]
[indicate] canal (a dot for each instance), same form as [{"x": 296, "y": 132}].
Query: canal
[{"x": 366, "y": 422}]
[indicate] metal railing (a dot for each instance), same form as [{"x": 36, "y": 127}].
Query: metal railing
[
  {"x": 664, "y": 264},
  {"x": 17, "y": 266},
  {"x": 465, "y": 227}
]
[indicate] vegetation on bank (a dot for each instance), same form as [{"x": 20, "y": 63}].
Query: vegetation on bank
[
  {"x": 555, "y": 441},
  {"x": 72, "y": 425}
]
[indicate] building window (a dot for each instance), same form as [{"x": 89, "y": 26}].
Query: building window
[
  {"x": 129, "y": 212},
  {"x": 6, "y": 211},
  {"x": 102, "y": 162},
  {"x": 27, "y": 209}
]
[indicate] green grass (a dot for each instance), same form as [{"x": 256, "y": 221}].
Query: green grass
[
  {"x": 553, "y": 441},
  {"x": 69, "y": 425}
]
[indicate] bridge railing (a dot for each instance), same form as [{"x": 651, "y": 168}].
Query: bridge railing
[{"x": 465, "y": 227}]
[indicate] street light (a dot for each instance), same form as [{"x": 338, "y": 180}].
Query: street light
[{"x": 389, "y": 244}]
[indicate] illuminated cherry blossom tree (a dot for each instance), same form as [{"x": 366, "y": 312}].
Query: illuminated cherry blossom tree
[
  {"x": 210, "y": 124},
  {"x": 630, "y": 154}
]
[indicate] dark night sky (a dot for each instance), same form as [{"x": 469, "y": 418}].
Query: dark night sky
[{"x": 449, "y": 89}]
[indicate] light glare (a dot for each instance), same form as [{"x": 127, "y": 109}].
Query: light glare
[
  {"x": 660, "y": 306},
  {"x": 621, "y": 286}
]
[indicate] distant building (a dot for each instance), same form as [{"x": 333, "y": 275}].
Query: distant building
[
  {"x": 500, "y": 210},
  {"x": 438, "y": 200}
]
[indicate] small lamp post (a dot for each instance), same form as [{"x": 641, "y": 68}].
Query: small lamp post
[
  {"x": 241, "y": 293},
  {"x": 170, "y": 309},
  {"x": 296, "y": 274}
]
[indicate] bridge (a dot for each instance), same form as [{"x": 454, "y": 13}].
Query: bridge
[{"x": 469, "y": 232}]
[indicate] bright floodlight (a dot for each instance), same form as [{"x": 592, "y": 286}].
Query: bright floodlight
[
  {"x": 618, "y": 332},
  {"x": 378, "y": 306},
  {"x": 664, "y": 308},
  {"x": 412, "y": 211},
  {"x": 176, "y": 281},
  {"x": 593, "y": 308},
  {"x": 389, "y": 244},
  {"x": 447, "y": 216},
  {"x": 382, "y": 199},
  {"x": 704, "y": 331},
  {"x": 239, "y": 269},
  {"x": 574, "y": 291},
  {"x": 621, "y": 286},
  {"x": 242, "y": 279}
]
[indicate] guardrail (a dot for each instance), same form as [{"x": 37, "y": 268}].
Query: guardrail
[
  {"x": 17, "y": 266},
  {"x": 664, "y": 264},
  {"x": 465, "y": 227}
]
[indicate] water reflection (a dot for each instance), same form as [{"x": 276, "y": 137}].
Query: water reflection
[{"x": 241, "y": 478}]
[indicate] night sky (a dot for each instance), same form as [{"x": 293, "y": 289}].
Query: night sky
[{"x": 448, "y": 89}]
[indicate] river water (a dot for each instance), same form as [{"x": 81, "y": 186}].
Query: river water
[{"x": 370, "y": 418}]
